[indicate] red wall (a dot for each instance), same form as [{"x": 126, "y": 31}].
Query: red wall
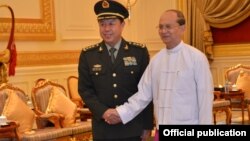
[{"x": 237, "y": 34}]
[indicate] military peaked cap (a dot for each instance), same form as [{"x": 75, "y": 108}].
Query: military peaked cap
[{"x": 109, "y": 9}]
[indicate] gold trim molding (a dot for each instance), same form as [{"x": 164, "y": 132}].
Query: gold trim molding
[
  {"x": 47, "y": 58},
  {"x": 32, "y": 29},
  {"x": 51, "y": 58},
  {"x": 231, "y": 50}
]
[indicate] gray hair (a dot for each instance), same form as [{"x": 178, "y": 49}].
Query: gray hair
[{"x": 181, "y": 19}]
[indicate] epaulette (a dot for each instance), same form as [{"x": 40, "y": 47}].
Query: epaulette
[
  {"x": 137, "y": 44},
  {"x": 90, "y": 47}
]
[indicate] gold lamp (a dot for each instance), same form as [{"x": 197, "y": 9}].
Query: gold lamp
[{"x": 129, "y": 4}]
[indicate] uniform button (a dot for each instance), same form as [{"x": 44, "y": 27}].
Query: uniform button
[
  {"x": 114, "y": 85},
  {"x": 114, "y": 74},
  {"x": 115, "y": 96},
  {"x": 132, "y": 72},
  {"x": 96, "y": 73}
]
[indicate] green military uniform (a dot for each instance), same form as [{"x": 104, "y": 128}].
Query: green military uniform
[{"x": 104, "y": 85}]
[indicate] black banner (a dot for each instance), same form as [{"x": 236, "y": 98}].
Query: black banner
[{"x": 202, "y": 132}]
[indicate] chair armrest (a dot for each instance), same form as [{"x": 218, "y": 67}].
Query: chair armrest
[
  {"x": 85, "y": 113},
  {"x": 217, "y": 95},
  {"x": 78, "y": 102},
  {"x": 55, "y": 118},
  {"x": 84, "y": 110}
]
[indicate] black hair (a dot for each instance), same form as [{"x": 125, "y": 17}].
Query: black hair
[{"x": 121, "y": 19}]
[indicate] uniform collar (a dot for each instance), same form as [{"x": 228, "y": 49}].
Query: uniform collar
[{"x": 117, "y": 45}]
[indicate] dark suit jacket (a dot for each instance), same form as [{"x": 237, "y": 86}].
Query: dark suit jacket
[{"x": 104, "y": 85}]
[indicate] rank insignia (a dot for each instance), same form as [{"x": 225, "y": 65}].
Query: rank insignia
[
  {"x": 100, "y": 49},
  {"x": 129, "y": 61},
  {"x": 133, "y": 59},
  {"x": 126, "y": 47},
  {"x": 97, "y": 67}
]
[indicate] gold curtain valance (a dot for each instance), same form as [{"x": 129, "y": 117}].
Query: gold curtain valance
[
  {"x": 202, "y": 14},
  {"x": 224, "y": 13}
]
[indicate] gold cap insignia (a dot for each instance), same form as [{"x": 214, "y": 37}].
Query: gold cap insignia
[{"x": 105, "y": 4}]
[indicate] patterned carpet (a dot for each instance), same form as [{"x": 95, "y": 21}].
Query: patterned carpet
[{"x": 236, "y": 117}]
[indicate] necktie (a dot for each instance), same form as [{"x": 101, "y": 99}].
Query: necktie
[{"x": 112, "y": 54}]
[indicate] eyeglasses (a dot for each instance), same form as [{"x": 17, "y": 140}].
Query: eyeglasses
[{"x": 167, "y": 27}]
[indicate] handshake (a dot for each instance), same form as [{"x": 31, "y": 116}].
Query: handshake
[{"x": 111, "y": 116}]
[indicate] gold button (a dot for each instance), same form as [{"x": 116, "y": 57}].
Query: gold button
[
  {"x": 96, "y": 73},
  {"x": 114, "y": 74},
  {"x": 114, "y": 85},
  {"x": 115, "y": 96},
  {"x": 132, "y": 72}
]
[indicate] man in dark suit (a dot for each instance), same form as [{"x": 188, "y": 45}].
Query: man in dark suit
[{"x": 108, "y": 78}]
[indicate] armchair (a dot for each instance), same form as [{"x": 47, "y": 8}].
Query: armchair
[
  {"x": 221, "y": 105},
  {"x": 13, "y": 104},
  {"x": 4, "y": 87},
  {"x": 52, "y": 104},
  {"x": 232, "y": 73},
  {"x": 40, "y": 98},
  {"x": 240, "y": 75},
  {"x": 5, "y": 90},
  {"x": 72, "y": 82}
]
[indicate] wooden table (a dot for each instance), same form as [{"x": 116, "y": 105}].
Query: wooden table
[
  {"x": 236, "y": 95},
  {"x": 9, "y": 131}
]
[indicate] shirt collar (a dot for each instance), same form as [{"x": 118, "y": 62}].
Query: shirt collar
[
  {"x": 175, "y": 49},
  {"x": 117, "y": 45}
]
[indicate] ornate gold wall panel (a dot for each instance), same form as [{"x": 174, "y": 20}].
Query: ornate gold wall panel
[{"x": 42, "y": 28}]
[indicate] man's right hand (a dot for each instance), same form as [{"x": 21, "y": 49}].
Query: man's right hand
[{"x": 111, "y": 116}]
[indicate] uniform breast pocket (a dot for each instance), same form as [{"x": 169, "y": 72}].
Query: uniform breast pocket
[
  {"x": 130, "y": 77},
  {"x": 131, "y": 72},
  {"x": 98, "y": 74}
]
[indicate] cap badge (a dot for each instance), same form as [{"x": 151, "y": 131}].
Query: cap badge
[{"x": 105, "y": 4}]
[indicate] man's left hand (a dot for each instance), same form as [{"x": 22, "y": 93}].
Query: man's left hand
[{"x": 145, "y": 135}]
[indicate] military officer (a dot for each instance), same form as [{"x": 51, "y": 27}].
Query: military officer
[{"x": 108, "y": 78}]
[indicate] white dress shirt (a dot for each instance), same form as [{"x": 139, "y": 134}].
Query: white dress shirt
[{"x": 180, "y": 84}]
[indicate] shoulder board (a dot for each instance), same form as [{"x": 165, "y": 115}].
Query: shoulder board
[
  {"x": 90, "y": 47},
  {"x": 137, "y": 44}
]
